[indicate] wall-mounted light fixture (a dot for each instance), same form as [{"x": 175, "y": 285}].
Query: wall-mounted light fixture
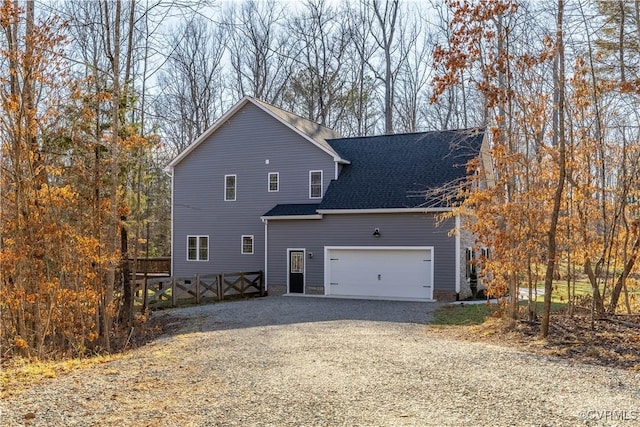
[
  {"x": 310, "y": 254},
  {"x": 376, "y": 232}
]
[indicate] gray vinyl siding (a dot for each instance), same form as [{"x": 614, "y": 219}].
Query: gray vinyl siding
[
  {"x": 357, "y": 230},
  {"x": 241, "y": 146}
]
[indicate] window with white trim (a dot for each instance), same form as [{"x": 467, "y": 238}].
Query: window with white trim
[
  {"x": 315, "y": 184},
  {"x": 197, "y": 248},
  {"x": 247, "y": 245},
  {"x": 470, "y": 258},
  {"x": 229, "y": 188},
  {"x": 274, "y": 182}
]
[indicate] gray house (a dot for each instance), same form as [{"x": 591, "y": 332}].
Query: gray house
[{"x": 264, "y": 189}]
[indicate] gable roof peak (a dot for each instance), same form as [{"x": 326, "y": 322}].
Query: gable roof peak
[
  {"x": 317, "y": 133},
  {"x": 313, "y": 132},
  {"x": 296, "y": 119}
]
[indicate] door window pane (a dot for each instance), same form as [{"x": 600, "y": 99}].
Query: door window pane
[{"x": 297, "y": 262}]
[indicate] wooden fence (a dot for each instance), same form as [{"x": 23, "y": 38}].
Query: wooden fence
[
  {"x": 151, "y": 266},
  {"x": 171, "y": 291}
]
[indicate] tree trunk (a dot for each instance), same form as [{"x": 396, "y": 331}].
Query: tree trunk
[
  {"x": 127, "y": 291},
  {"x": 388, "y": 94},
  {"x": 113, "y": 52},
  {"x": 387, "y": 22},
  {"x": 597, "y": 304},
  {"x": 557, "y": 199},
  {"x": 617, "y": 289}
]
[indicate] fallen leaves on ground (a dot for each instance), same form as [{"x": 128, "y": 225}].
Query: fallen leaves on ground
[
  {"x": 614, "y": 341},
  {"x": 18, "y": 374}
]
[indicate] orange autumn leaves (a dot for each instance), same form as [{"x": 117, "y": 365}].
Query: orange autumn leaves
[
  {"x": 490, "y": 51},
  {"x": 55, "y": 212}
]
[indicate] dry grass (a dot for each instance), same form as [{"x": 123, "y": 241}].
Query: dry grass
[
  {"x": 19, "y": 374},
  {"x": 610, "y": 342}
]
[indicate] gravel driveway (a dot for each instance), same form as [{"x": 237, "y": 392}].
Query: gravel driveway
[{"x": 289, "y": 361}]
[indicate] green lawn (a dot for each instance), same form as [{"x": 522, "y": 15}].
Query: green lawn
[
  {"x": 476, "y": 314},
  {"x": 461, "y": 315},
  {"x": 582, "y": 287}
]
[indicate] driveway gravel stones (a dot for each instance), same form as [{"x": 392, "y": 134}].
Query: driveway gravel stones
[{"x": 291, "y": 361}]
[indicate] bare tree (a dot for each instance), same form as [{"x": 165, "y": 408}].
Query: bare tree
[
  {"x": 191, "y": 82},
  {"x": 318, "y": 84},
  {"x": 416, "y": 47},
  {"x": 383, "y": 29},
  {"x": 362, "y": 113},
  {"x": 259, "y": 50},
  {"x": 560, "y": 137},
  {"x": 113, "y": 40},
  {"x": 452, "y": 109}
]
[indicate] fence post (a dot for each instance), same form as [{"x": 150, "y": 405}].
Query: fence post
[
  {"x": 173, "y": 292},
  {"x": 197, "y": 289},
  {"x": 144, "y": 297},
  {"x": 145, "y": 290},
  {"x": 240, "y": 281},
  {"x": 261, "y": 281}
]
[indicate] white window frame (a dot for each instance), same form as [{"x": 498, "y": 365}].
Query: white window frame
[
  {"x": 198, "y": 247},
  {"x": 242, "y": 244},
  {"x": 235, "y": 187},
  {"x": 470, "y": 261},
  {"x": 277, "y": 175},
  {"x": 311, "y": 196}
]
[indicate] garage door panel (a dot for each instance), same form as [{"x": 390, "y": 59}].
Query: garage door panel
[{"x": 380, "y": 273}]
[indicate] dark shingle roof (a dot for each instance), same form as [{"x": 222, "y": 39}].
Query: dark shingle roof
[
  {"x": 393, "y": 171},
  {"x": 293, "y": 209}
]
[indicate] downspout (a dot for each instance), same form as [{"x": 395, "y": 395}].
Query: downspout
[
  {"x": 170, "y": 173},
  {"x": 457, "y": 234},
  {"x": 266, "y": 253}
]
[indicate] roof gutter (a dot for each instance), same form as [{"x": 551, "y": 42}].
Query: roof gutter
[
  {"x": 382, "y": 211},
  {"x": 269, "y": 218},
  {"x": 321, "y": 212}
]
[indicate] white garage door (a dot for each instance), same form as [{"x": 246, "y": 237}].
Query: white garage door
[{"x": 379, "y": 272}]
